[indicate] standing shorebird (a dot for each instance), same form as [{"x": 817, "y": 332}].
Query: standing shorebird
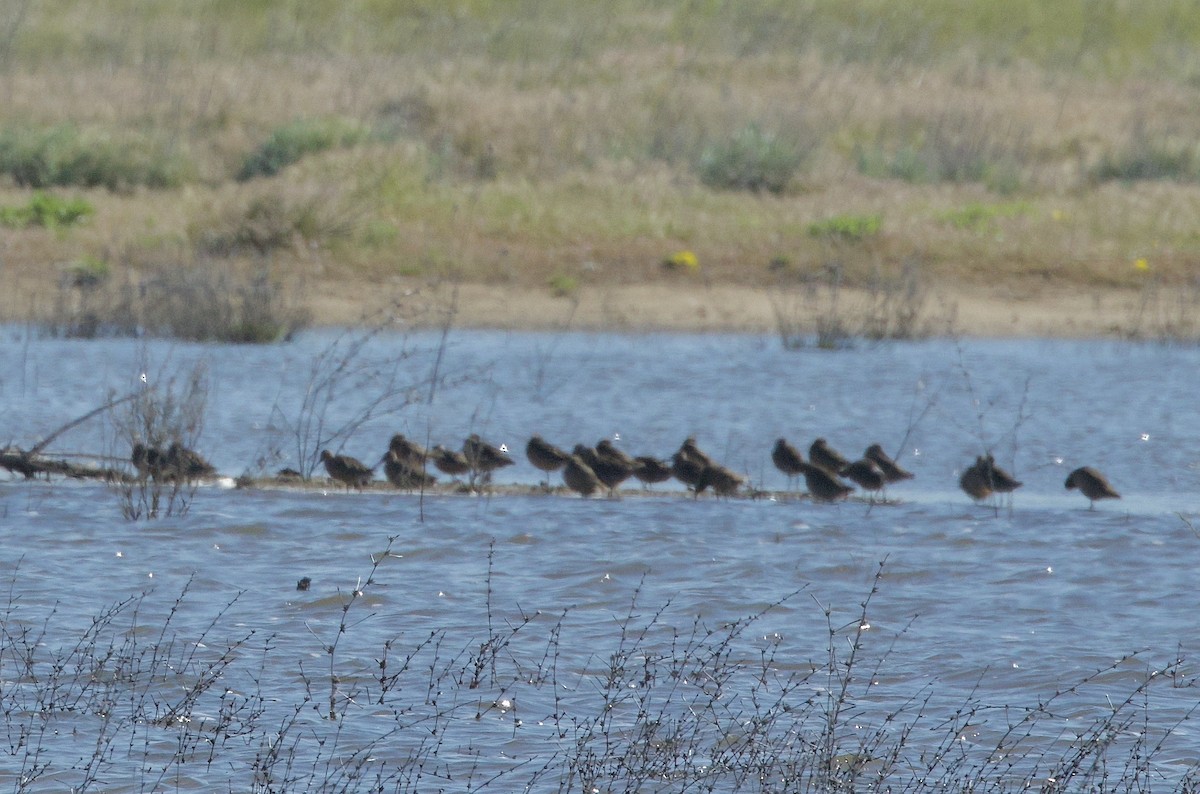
[
  {"x": 892, "y": 472},
  {"x": 612, "y": 470},
  {"x": 787, "y": 459},
  {"x": 975, "y": 481},
  {"x": 650, "y": 470},
  {"x": 688, "y": 449},
  {"x": 579, "y": 477},
  {"x": 150, "y": 462},
  {"x": 825, "y": 456},
  {"x": 187, "y": 464},
  {"x": 449, "y": 462},
  {"x": 824, "y": 486},
  {"x": 867, "y": 475},
  {"x": 347, "y": 470},
  {"x": 724, "y": 482},
  {"x": 402, "y": 474},
  {"x": 484, "y": 458},
  {"x": 410, "y": 453},
  {"x": 545, "y": 456},
  {"x": 1092, "y": 484},
  {"x": 1001, "y": 481}
]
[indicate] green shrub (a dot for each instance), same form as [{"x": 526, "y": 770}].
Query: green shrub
[
  {"x": 1150, "y": 160},
  {"x": 563, "y": 286},
  {"x": 64, "y": 155},
  {"x": 848, "y": 228},
  {"x": 46, "y": 210},
  {"x": 955, "y": 147},
  {"x": 982, "y": 217},
  {"x": 753, "y": 160},
  {"x": 292, "y": 142}
]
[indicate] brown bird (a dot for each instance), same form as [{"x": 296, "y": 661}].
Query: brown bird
[
  {"x": 823, "y": 485},
  {"x": 825, "y": 456},
  {"x": 410, "y": 453},
  {"x": 544, "y": 455},
  {"x": 867, "y": 475},
  {"x": 150, "y": 462},
  {"x": 650, "y": 469},
  {"x": 449, "y": 462},
  {"x": 606, "y": 449},
  {"x": 892, "y": 471},
  {"x": 611, "y": 470},
  {"x": 1002, "y": 481},
  {"x": 787, "y": 459},
  {"x": 402, "y": 474},
  {"x": 484, "y": 458},
  {"x": 187, "y": 464},
  {"x": 579, "y": 477},
  {"x": 975, "y": 480},
  {"x": 687, "y": 470},
  {"x": 724, "y": 482},
  {"x": 346, "y": 470},
  {"x": 689, "y": 450},
  {"x": 1091, "y": 484}
]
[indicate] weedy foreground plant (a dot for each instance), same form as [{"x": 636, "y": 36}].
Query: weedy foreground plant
[{"x": 665, "y": 702}]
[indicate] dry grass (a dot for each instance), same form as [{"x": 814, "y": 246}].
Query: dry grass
[{"x": 508, "y": 143}]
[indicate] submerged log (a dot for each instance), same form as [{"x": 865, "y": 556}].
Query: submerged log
[{"x": 31, "y": 464}]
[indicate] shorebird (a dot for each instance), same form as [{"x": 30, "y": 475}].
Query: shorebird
[
  {"x": 975, "y": 481},
  {"x": 650, "y": 470},
  {"x": 688, "y": 470},
  {"x": 1091, "y": 484},
  {"x": 579, "y": 477},
  {"x": 483, "y": 458},
  {"x": 612, "y": 470},
  {"x": 892, "y": 471},
  {"x": 787, "y": 459},
  {"x": 346, "y": 470},
  {"x": 867, "y": 475},
  {"x": 824, "y": 486},
  {"x": 401, "y": 473},
  {"x": 544, "y": 455},
  {"x": 724, "y": 481},
  {"x": 606, "y": 449},
  {"x": 187, "y": 464},
  {"x": 825, "y": 456},
  {"x": 1001, "y": 481},
  {"x": 410, "y": 453},
  {"x": 689, "y": 450},
  {"x": 449, "y": 462},
  {"x": 149, "y": 461}
]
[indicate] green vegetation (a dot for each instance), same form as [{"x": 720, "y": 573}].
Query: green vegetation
[
  {"x": 753, "y": 160},
  {"x": 978, "y": 217},
  {"x": 512, "y": 142},
  {"x": 65, "y": 155},
  {"x": 847, "y": 228},
  {"x": 46, "y": 210},
  {"x": 289, "y": 143}
]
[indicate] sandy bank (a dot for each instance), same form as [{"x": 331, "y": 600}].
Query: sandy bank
[{"x": 981, "y": 312}]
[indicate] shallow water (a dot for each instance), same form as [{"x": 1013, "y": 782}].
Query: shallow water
[{"x": 996, "y": 606}]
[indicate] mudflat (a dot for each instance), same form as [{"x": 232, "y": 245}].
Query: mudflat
[{"x": 1004, "y": 311}]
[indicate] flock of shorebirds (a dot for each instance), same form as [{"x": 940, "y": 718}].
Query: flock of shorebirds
[{"x": 828, "y": 475}]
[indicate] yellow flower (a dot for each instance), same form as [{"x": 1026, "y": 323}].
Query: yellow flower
[
  {"x": 682, "y": 260},
  {"x": 1140, "y": 264},
  {"x": 1058, "y": 215}
]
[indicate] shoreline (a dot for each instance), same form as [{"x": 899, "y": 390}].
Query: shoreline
[{"x": 985, "y": 312}]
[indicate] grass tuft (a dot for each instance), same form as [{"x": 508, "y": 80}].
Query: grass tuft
[
  {"x": 753, "y": 160},
  {"x": 292, "y": 142},
  {"x": 65, "y": 155},
  {"x": 46, "y": 210}
]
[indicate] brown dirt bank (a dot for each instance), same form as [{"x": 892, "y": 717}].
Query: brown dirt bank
[{"x": 1014, "y": 311}]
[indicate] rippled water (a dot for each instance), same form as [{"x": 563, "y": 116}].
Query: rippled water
[{"x": 1002, "y": 608}]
